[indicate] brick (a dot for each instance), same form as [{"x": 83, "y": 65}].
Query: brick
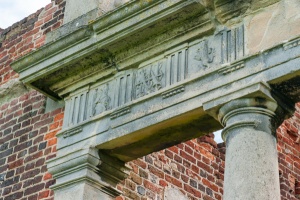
[
  {"x": 149, "y": 159},
  {"x": 135, "y": 178},
  {"x": 129, "y": 184},
  {"x": 169, "y": 154},
  {"x": 10, "y": 174},
  {"x": 11, "y": 181},
  {"x": 17, "y": 187},
  {"x": 33, "y": 156},
  {"x": 59, "y": 117},
  {"x": 44, "y": 194},
  {"x": 192, "y": 190},
  {"x": 23, "y": 131},
  {"x": 15, "y": 164},
  {"x": 52, "y": 142},
  {"x": 13, "y": 196},
  {"x": 143, "y": 173},
  {"x": 37, "y": 179},
  {"x": 42, "y": 145},
  {"x": 20, "y": 170},
  {"x": 50, "y": 135},
  {"x": 32, "y": 197},
  {"x": 49, "y": 183},
  {"x": 174, "y": 181},
  {"x": 47, "y": 176},
  {"x": 151, "y": 186},
  {"x": 163, "y": 183},
  {"x": 156, "y": 171},
  {"x": 22, "y": 146},
  {"x": 30, "y": 174}
]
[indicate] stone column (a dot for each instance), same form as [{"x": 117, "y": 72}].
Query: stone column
[
  {"x": 251, "y": 171},
  {"x": 86, "y": 175}
]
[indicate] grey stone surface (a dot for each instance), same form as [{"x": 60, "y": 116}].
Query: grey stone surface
[
  {"x": 77, "y": 8},
  {"x": 173, "y": 193},
  {"x": 72, "y": 26},
  {"x": 81, "y": 191},
  {"x": 53, "y": 105},
  {"x": 12, "y": 89}
]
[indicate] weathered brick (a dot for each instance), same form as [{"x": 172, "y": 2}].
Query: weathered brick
[
  {"x": 11, "y": 181},
  {"x": 156, "y": 171},
  {"x": 14, "y": 196},
  {"x": 30, "y": 174},
  {"x": 151, "y": 186},
  {"x": 192, "y": 190}
]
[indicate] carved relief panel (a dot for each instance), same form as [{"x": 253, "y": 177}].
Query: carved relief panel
[
  {"x": 149, "y": 79},
  {"x": 188, "y": 61}
]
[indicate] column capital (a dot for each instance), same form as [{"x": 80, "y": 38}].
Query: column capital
[
  {"x": 257, "y": 113},
  {"x": 90, "y": 173},
  {"x": 241, "y": 105},
  {"x": 257, "y": 98}
]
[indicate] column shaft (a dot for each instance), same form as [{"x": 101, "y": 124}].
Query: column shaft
[{"x": 251, "y": 165}]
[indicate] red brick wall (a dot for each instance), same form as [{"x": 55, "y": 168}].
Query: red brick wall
[
  {"x": 27, "y": 141},
  {"x": 27, "y": 133},
  {"x": 27, "y": 35},
  {"x": 195, "y": 167},
  {"x": 289, "y": 156},
  {"x": 27, "y": 138}
]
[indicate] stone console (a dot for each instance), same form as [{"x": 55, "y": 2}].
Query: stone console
[{"x": 150, "y": 74}]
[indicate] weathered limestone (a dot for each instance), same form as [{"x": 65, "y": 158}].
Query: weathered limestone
[
  {"x": 12, "y": 89},
  {"x": 155, "y": 73},
  {"x": 173, "y": 193},
  {"x": 86, "y": 173},
  {"x": 77, "y": 8},
  {"x": 275, "y": 24},
  {"x": 251, "y": 154}
]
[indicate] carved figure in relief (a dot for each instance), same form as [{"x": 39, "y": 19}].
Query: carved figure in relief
[
  {"x": 205, "y": 54},
  {"x": 102, "y": 101},
  {"x": 149, "y": 80}
]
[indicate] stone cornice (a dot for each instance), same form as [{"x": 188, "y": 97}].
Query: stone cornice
[
  {"x": 53, "y": 48},
  {"x": 112, "y": 37}
]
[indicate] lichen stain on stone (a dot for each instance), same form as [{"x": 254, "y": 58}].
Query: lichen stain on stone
[
  {"x": 291, "y": 88},
  {"x": 263, "y": 28}
]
